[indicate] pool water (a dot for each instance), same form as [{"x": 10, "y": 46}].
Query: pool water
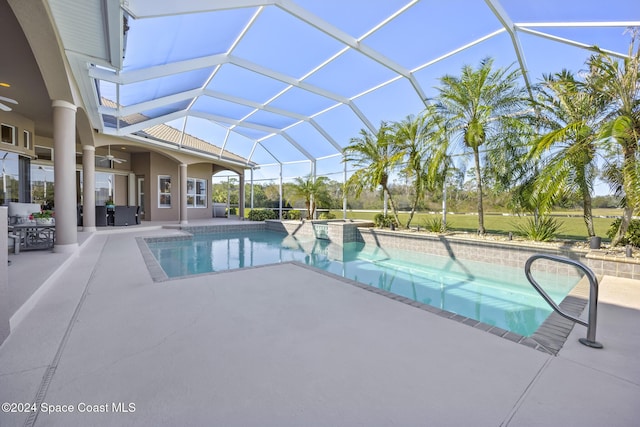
[{"x": 493, "y": 294}]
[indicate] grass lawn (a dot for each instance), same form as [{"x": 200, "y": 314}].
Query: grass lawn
[{"x": 573, "y": 227}]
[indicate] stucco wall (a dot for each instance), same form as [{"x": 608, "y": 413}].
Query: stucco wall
[
  {"x": 201, "y": 171},
  {"x": 141, "y": 167},
  {"x": 20, "y": 123},
  {"x": 161, "y": 165}
]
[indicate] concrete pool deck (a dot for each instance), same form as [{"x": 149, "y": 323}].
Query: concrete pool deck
[{"x": 285, "y": 345}]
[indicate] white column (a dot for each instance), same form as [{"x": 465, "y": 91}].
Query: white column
[
  {"x": 132, "y": 190},
  {"x": 241, "y": 196},
  {"x": 64, "y": 171},
  {"x": 183, "y": 194},
  {"x": 88, "y": 188}
]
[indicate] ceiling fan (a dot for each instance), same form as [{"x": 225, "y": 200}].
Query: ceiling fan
[
  {"x": 5, "y": 107},
  {"x": 111, "y": 158}
]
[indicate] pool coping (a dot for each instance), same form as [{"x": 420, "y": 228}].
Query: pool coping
[{"x": 549, "y": 338}]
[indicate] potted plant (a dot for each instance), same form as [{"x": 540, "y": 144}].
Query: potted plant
[{"x": 44, "y": 217}]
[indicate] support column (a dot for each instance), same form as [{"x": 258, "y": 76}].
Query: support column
[
  {"x": 183, "y": 194},
  {"x": 64, "y": 172},
  {"x": 88, "y": 188},
  {"x": 131, "y": 196},
  {"x": 241, "y": 196}
]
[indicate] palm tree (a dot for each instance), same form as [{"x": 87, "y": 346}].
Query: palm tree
[
  {"x": 618, "y": 83},
  {"x": 418, "y": 138},
  {"x": 312, "y": 190},
  {"x": 375, "y": 156},
  {"x": 479, "y": 105},
  {"x": 569, "y": 112}
]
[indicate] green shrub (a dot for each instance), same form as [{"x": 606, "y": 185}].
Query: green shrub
[
  {"x": 327, "y": 215},
  {"x": 545, "y": 229},
  {"x": 632, "y": 237},
  {"x": 435, "y": 225},
  {"x": 232, "y": 211},
  {"x": 293, "y": 214},
  {"x": 261, "y": 214},
  {"x": 384, "y": 221}
]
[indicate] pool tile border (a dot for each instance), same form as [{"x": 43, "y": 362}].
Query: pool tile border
[
  {"x": 548, "y": 338},
  {"x": 156, "y": 272}
]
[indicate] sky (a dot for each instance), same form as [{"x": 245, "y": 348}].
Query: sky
[{"x": 417, "y": 36}]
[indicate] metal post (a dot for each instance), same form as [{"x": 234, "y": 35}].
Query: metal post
[
  {"x": 280, "y": 193},
  {"x": 312, "y": 200},
  {"x": 251, "y": 188},
  {"x": 344, "y": 192},
  {"x": 444, "y": 206}
]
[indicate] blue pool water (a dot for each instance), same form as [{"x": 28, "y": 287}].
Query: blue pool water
[{"x": 497, "y": 295}]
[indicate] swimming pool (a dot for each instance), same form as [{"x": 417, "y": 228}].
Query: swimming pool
[{"x": 497, "y": 295}]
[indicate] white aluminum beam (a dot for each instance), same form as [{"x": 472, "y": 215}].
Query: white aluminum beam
[
  {"x": 136, "y": 127},
  {"x": 151, "y": 9},
  {"x": 297, "y": 146},
  {"x": 149, "y": 105},
  {"x": 362, "y": 117},
  {"x": 248, "y": 65},
  {"x": 158, "y": 71},
  {"x": 239, "y": 123},
  {"x": 571, "y": 42},
  {"x": 339, "y": 35},
  {"x": 326, "y": 135},
  {"x": 253, "y": 104},
  {"x": 458, "y": 50},
  {"x": 589, "y": 24},
  {"x": 507, "y": 23},
  {"x": 115, "y": 31}
]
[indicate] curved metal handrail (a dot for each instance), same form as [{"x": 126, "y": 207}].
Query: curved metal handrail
[{"x": 590, "y": 340}]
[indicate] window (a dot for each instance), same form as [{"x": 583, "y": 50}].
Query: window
[
  {"x": 10, "y": 178},
  {"x": 8, "y": 134},
  {"x": 196, "y": 193},
  {"x": 44, "y": 153},
  {"x": 27, "y": 139},
  {"x": 104, "y": 188},
  {"x": 164, "y": 191}
]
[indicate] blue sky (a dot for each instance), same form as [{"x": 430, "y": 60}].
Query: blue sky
[{"x": 280, "y": 42}]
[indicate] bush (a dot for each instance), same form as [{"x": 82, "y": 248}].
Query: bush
[
  {"x": 327, "y": 215},
  {"x": 261, "y": 214},
  {"x": 436, "y": 225},
  {"x": 632, "y": 237},
  {"x": 384, "y": 221},
  {"x": 544, "y": 230},
  {"x": 293, "y": 214},
  {"x": 232, "y": 211}
]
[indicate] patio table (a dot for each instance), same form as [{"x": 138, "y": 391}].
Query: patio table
[{"x": 34, "y": 236}]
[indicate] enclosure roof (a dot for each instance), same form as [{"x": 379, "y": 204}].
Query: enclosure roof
[{"x": 278, "y": 81}]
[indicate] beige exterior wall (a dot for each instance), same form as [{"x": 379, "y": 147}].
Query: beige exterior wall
[
  {"x": 201, "y": 171},
  {"x": 20, "y": 123},
  {"x": 161, "y": 165},
  {"x": 140, "y": 165}
]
